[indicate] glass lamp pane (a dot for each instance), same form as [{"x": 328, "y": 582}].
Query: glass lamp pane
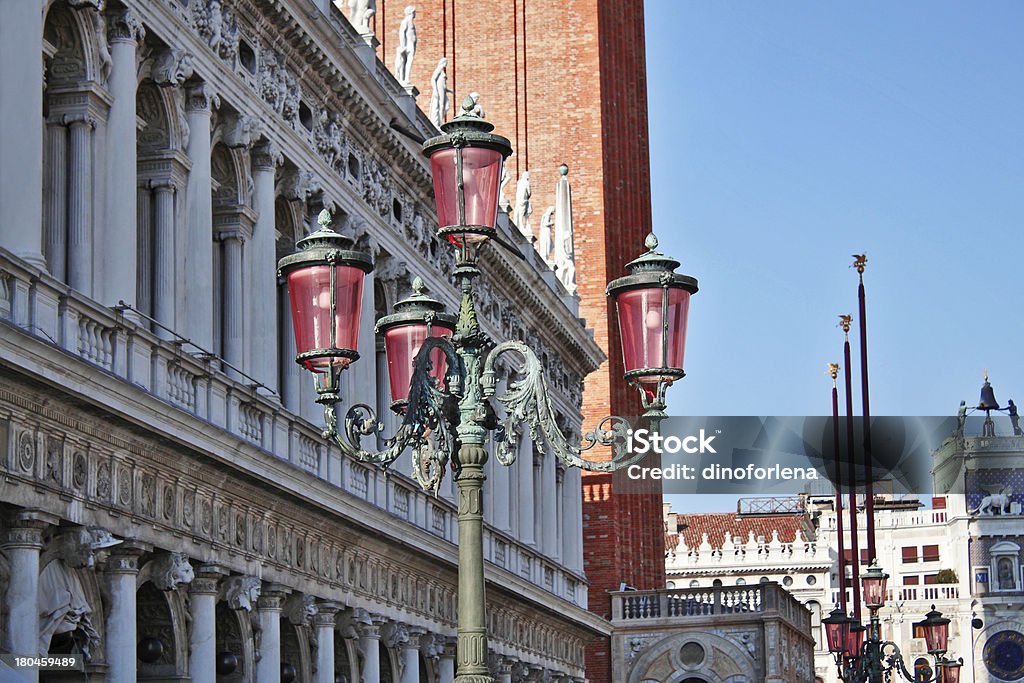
[
  {"x": 874, "y": 591},
  {"x": 310, "y": 292},
  {"x": 641, "y": 328},
  {"x": 401, "y": 344},
  {"x": 481, "y": 175}
]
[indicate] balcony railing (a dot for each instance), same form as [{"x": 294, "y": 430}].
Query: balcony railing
[{"x": 635, "y": 607}]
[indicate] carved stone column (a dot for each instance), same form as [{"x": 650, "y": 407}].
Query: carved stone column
[
  {"x": 232, "y": 301},
  {"x": 263, "y": 340},
  {"x": 202, "y": 661},
  {"x": 121, "y": 572},
  {"x": 324, "y": 621},
  {"x": 21, "y": 136},
  {"x": 369, "y": 645},
  {"x": 55, "y": 198},
  {"x": 446, "y": 663},
  {"x": 198, "y": 270},
  {"x": 268, "y": 607},
  {"x": 549, "y": 515},
  {"x": 164, "y": 275},
  {"x": 80, "y": 193},
  {"x": 21, "y": 543},
  {"x": 410, "y": 656},
  {"x": 117, "y": 235},
  {"x": 504, "y": 670},
  {"x": 525, "y": 498}
]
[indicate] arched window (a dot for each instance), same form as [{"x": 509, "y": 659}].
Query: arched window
[
  {"x": 815, "y": 609},
  {"x": 741, "y": 582},
  {"x": 695, "y": 584},
  {"x": 717, "y": 583},
  {"x": 1005, "y": 566}
]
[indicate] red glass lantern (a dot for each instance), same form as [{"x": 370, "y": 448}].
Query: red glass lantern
[
  {"x": 837, "y": 629},
  {"x": 325, "y": 288},
  {"x": 653, "y": 302},
  {"x": 855, "y": 638},
  {"x": 466, "y": 161},
  {"x": 874, "y": 582},
  {"x": 949, "y": 671},
  {"x": 415, "y": 320},
  {"x": 935, "y": 631}
]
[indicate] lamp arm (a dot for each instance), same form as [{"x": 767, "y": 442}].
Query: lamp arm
[
  {"x": 427, "y": 427},
  {"x": 894, "y": 660},
  {"x": 528, "y": 400}
]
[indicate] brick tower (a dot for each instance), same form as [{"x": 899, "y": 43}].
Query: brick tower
[{"x": 566, "y": 82}]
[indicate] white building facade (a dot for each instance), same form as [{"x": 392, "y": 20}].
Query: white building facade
[
  {"x": 169, "y": 508},
  {"x": 798, "y": 548}
]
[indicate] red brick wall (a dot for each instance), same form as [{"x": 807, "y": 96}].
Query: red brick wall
[{"x": 566, "y": 82}]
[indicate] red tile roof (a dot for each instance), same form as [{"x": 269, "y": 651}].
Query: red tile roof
[{"x": 716, "y": 524}]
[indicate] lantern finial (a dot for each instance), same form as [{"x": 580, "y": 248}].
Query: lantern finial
[
  {"x": 324, "y": 220},
  {"x": 564, "y": 169},
  {"x": 417, "y": 285},
  {"x": 651, "y": 242}
]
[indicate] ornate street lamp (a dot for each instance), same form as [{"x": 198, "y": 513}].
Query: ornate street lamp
[
  {"x": 934, "y": 628},
  {"x": 442, "y": 369},
  {"x": 873, "y": 582},
  {"x": 653, "y": 302},
  {"x": 837, "y": 631}
]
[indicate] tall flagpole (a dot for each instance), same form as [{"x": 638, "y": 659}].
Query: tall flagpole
[
  {"x": 845, "y": 321},
  {"x": 833, "y": 371},
  {"x": 860, "y": 261}
]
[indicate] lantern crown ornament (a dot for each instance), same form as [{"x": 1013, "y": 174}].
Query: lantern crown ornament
[
  {"x": 467, "y": 161},
  {"x": 653, "y": 303}
]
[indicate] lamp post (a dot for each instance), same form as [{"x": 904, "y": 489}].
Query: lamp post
[
  {"x": 873, "y": 660},
  {"x": 443, "y": 369}
]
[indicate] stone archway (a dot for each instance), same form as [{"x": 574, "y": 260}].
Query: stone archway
[{"x": 698, "y": 656}]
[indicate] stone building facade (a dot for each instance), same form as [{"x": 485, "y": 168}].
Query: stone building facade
[{"x": 164, "y": 483}]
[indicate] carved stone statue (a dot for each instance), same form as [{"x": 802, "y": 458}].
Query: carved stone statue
[
  {"x": 478, "y": 109},
  {"x": 1014, "y": 418},
  {"x": 63, "y": 606},
  {"x": 241, "y": 592},
  {"x": 503, "y": 203},
  {"x": 961, "y": 418},
  {"x": 359, "y": 14},
  {"x": 438, "y": 108},
  {"x": 544, "y": 243},
  {"x": 524, "y": 207},
  {"x": 565, "y": 257},
  {"x": 406, "y": 49},
  {"x": 299, "y": 609},
  {"x": 172, "y": 67}
]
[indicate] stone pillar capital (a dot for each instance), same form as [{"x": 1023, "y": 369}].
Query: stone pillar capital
[
  {"x": 25, "y": 529},
  {"x": 271, "y": 596},
  {"x": 207, "y": 579},
  {"x": 125, "y": 27},
  {"x": 124, "y": 557},
  {"x": 200, "y": 97},
  {"x": 79, "y": 121},
  {"x": 266, "y": 156},
  {"x": 163, "y": 184}
]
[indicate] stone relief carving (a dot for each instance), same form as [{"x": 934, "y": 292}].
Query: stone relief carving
[
  {"x": 278, "y": 86},
  {"x": 241, "y": 592},
  {"x": 331, "y": 142},
  {"x": 241, "y": 130},
  {"x": 167, "y": 571},
  {"x": 299, "y": 609},
  {"x": 437, "y": 109},
  {"x": 172, "y": 67},
  {"x": 524, "y": 207},
  {"x": 218, "y": 25}
]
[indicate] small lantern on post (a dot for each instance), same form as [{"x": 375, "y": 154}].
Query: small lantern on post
[
  {"x": 949, "y": 671},
  {"x": 416, "y": 319},
  {"x": 873, "y": 582},
  {"x": 855, "y": 639},
  {"x": 653, "y": 302},
  {"x": 325, "y": 286},
  {"x": 935, "y": 631},
  {"x": 837, "y": 629},
  {"x": 466, "y": 161}
]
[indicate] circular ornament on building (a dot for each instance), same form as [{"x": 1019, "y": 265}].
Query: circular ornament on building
[
  {"x": 1004, "y": 655},
  {"x": 811, "y": 579},
  {"x": 124, "y": 486},
  {"x": 103, "y": 482},
  {"x": 692, "y": 654},
  {"x": 787, "y": 581},
  {"x": 168, "y": 502},
  {"x": 79, "y": 470},
  {"x": 205, "y": 516},
  {"x": 26, "y": 451}
]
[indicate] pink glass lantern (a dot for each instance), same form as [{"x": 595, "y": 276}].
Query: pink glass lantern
[
  {"x": 466, "y": 161},
  {"x": 855, "y": 639},
  {"x": 653, "y": 303},
  {"x": 935, "y": 631},
  {"x": 325, "y": 289},
  {"x": 837, "y": 628},
  {"x": 415, "y": 319},
  {"x": 873, "y": 582},
  {"x": 949, "y": 671}
]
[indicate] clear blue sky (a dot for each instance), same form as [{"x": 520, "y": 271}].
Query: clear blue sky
[{"x": 786, "y": 136}]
